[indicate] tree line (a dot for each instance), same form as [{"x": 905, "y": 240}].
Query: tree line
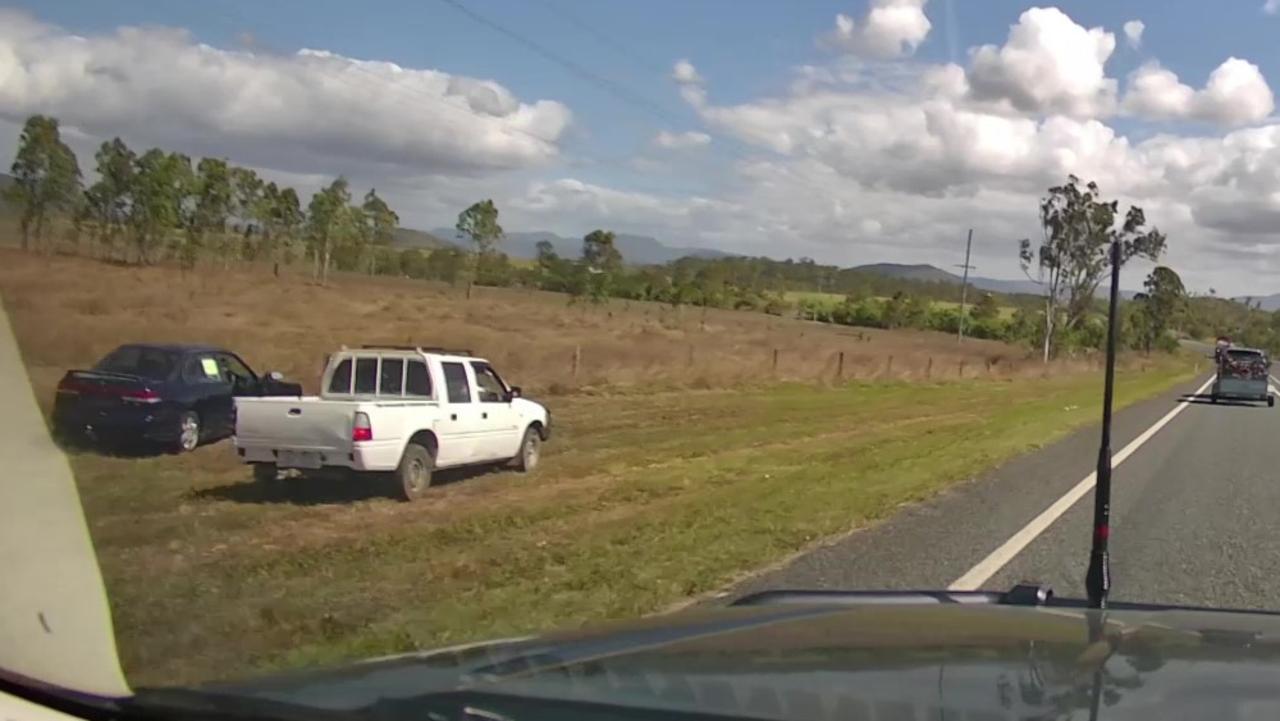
[{"x": 152, "y": 205}]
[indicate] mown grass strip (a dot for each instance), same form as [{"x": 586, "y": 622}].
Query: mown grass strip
[{"x": 624, "y": 519}]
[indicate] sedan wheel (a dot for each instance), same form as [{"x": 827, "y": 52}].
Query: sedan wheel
[{"x": 188, "y": 432}]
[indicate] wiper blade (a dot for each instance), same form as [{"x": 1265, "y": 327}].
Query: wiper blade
[{"x": 1021, "y": 595}]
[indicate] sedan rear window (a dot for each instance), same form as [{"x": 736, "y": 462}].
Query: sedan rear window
[{"x": 150, "y": 363}]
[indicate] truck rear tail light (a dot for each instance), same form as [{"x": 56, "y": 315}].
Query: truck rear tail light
[{"x": 361, "y": 430}]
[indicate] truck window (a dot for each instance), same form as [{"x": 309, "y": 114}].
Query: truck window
[
  {"x": 455, "y": 379},
  {"x": 366, "y": 375},
  {"x": 391, "y": 377},
  {"x": 417, "y": 381},
  {"x": 340, "y": 382},
  {"x": 489, "y": 385}
]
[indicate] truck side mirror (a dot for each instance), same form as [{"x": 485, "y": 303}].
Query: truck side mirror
[
  {"x": 276, "y": 376},
  {"x": 513, "y": 393}
]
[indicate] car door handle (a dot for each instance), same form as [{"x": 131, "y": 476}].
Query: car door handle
[
  {"x": 453, "y": 417},
  {"x": 295, "y": 411},
  {"x": 484, "y": 415}
]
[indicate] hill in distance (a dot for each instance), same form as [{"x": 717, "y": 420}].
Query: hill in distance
[
  {"x": 410, "y": 238},
  {"x": 1269, "y": 302},
  {"x": 933, "y": 274}
]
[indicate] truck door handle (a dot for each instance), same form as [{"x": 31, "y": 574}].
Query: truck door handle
[
  {"x": 484, "y": 415},
  {"x": 453, "y": 416},
  {"x": 295, "y": 411}
]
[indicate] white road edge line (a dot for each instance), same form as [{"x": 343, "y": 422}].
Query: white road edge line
[{"x": 989, "y": 566}]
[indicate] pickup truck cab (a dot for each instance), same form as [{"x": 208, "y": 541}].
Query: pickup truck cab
[{"x": 405, "y": 411}]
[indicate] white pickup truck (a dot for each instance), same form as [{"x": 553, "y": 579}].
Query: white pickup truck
[{"x": 407, "y": 411}]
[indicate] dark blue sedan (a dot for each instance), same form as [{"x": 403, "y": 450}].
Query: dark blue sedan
[{"x": 176, "y": 395}]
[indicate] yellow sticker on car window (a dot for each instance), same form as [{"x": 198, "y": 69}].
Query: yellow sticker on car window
[{"x": 210, "y": 367}]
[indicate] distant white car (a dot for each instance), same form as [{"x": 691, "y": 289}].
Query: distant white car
[{"x": 406, "y": 411}]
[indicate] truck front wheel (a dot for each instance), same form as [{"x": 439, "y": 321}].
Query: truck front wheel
[
  {"x": 530, "y": 450},
  {"x": 414, "y": 472}
]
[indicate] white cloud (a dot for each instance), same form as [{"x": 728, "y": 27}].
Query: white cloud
[
  {"x": 1236, "y": 94},
  {"x": 1155, "y": 92},
  {"x": 892, "y": 28},
  {"x": 310, "y": 111},
  {"x": 1271, "y": 7},
  {"x": 1133, "y": 32},
  {"x": 548, "y": 203},
  {"x": 677, "y": 141},
  {"x": 1049, "y": 64},
  {"x": 685, "y": 73}
]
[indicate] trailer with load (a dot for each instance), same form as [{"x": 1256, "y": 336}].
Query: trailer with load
[{"x": 1244, "y": 374}]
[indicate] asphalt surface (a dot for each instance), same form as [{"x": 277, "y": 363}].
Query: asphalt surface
[{"x": 1194, "y": 513}]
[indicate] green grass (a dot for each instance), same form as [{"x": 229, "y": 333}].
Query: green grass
[
  {"x": 640, "y": 503},
  {"x": 827, "y": 299}
]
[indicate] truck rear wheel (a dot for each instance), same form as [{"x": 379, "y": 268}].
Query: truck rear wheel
[
  {"x": 265, "y": 472},
  {"x": 414, "y": 471}
]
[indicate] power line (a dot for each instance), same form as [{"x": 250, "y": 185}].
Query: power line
[
  {"x": 734, "y": 147},
  {"x": 603, "y": 38},
  {"x": 610, "y": 86}
]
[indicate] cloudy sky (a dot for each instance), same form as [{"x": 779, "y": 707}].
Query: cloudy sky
[{"x": 850, "y": 131}]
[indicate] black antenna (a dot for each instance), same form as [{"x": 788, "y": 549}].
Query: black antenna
[{"x": 1098, "y": 580}]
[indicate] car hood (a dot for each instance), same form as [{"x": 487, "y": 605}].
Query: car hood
[{"x": 818, "y": 661}]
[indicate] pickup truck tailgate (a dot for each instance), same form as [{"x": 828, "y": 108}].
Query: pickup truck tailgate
[{"x": 307, "y": 423}]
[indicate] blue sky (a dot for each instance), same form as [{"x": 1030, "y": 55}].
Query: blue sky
[{"x": 748, "y": 54}]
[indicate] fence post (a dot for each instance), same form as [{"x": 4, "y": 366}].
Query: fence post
[
  {"x": 888, "y": 368},
  {"x": 775, "y": 360},
  {"x": 840, "y": 366},
  {"x": 961, "y": 372},
  {"x": 691, "y": 355},
  {"x": 577, "y": 360},
  {"x": 928, "y": 370}
]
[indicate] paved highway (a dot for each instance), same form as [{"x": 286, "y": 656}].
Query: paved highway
[{"x": 1195, "y": 511}]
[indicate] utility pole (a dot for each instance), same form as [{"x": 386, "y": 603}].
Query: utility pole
[{"x": 964, "y": 284}]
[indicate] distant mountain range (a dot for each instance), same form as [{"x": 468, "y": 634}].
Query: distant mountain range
[
  {"x": 1269, "y": 302},
  {"x": 934, "y": 274}
]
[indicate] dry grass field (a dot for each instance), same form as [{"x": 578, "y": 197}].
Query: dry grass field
[{"x": 70, "y": 311}]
